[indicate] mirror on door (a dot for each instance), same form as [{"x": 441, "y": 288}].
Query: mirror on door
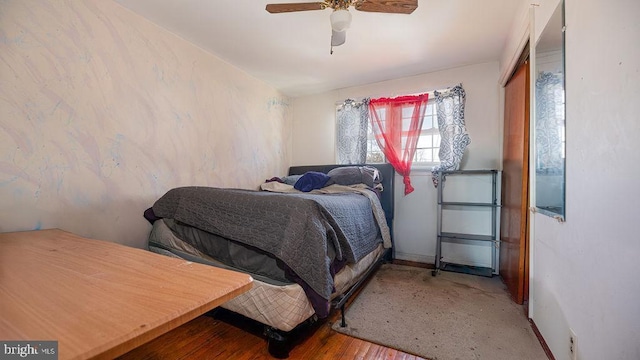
[{"x": 549, "y": 117}]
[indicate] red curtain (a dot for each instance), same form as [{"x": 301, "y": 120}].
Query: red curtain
[{"x": 397, "y": 135}]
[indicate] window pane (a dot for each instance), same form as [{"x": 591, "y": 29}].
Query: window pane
[
  {"x": 431, "y": 158},
  {"x": 430, "y": 107},
  {"x": 431, "y": 131},
  {"x": 406, "y": 124},
  {"x": 423, "y": 155},
  {"x": 419, "y": 155},
  {"x": 375, "y": 157},
  {"x": 374, "y": 154},
  {"x": 425, "y": 141},
  {"x": 427, "y": 145},
  {"x": 434, "y": 115},
  {"x": 426, "y": 123},
  {"x": 373, "y": 145}
]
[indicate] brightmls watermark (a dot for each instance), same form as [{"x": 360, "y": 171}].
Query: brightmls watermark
[{"x": 33, "y": 350}]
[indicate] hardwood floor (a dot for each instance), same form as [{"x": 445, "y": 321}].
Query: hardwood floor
[
  {"x": 222, "y": 334},
  {"x": 227, "y": 336}
]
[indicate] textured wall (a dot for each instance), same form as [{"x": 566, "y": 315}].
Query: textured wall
[{"x": 102, "y": 111}]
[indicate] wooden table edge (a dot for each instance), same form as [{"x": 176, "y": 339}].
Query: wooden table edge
[
  {"x": 154, "y": 332},
  {"x": 118, "y": 347}
]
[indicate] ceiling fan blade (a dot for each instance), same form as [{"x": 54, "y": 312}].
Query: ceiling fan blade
[
  {"x": 387, "y": 6},
  {"x": 290, "y": 7}
]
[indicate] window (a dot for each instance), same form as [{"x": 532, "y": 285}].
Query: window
[{"x": 428, "y": 143}]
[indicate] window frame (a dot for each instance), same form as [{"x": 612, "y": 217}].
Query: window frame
[{"x": 430, "y": 131}]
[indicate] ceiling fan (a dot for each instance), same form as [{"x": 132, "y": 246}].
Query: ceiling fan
[{"x": 341, "y": 17}]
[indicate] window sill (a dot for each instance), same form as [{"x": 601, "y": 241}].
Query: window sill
[
  {"x": 423, "y": 167},
  {"x": 418, "y": 168}
]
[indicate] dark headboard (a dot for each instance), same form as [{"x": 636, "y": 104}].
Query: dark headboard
[{"x": 388, "y": 179}]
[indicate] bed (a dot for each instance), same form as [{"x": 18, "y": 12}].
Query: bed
[{"x": 309, "y": 239}]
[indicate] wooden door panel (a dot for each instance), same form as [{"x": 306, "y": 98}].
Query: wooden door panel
[{"x": 515, "y": 184}]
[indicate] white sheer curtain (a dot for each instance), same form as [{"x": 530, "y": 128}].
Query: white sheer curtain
[
  {"x": 351, "y": 135},
  {"x": 453, "y": 132}
]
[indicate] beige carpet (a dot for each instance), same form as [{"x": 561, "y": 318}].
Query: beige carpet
[{"x": 450, "y": 316}]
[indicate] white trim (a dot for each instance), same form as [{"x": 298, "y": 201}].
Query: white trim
[
  {"x": 423, "y": 167},
  {"x": 524, "y": 33},
  {"x": 532, "y": 151},
  {"x": 425, "y": 259}
]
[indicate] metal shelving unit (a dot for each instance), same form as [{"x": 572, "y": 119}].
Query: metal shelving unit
[{"x": 462, "y": 237}]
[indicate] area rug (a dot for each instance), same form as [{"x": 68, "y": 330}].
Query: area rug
[{"x": 450, "y": 316}]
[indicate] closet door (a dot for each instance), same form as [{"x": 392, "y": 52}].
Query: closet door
[{"x": 515, "y": 186}]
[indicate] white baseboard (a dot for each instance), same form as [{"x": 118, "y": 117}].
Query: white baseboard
[
  {"x": 430, "y": 259},
  {"x": 420, "y": 258}
]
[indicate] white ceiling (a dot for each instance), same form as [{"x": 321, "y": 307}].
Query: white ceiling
[{"x": 291, "y": 51}]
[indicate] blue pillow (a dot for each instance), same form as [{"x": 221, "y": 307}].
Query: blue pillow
[{"x": 311, "y": 180}]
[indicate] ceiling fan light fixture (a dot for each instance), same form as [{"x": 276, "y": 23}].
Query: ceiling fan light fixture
[
  {"x": 340, "y": 20},
  {"x": 338, "y": 37}
]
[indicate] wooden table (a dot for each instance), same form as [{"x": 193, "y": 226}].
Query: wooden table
[{"x": 100, "y": 299}]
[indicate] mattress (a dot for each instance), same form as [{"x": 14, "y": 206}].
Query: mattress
[
  {"x": 302, "y": 237},
  {"x": 282, "y": 305}
]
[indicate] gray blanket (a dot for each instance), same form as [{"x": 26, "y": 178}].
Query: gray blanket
[{"x": 306, "y": 231}]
